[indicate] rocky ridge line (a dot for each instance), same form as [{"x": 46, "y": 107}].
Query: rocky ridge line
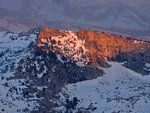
[{"x": 96, "y": 48}]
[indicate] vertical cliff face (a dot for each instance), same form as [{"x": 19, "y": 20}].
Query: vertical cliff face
[
  {"x": 109, "y": 45},
  {"x": 135, "y": 53},
  {"x": 104, "y": 44},
  {"x": 92, "y": 48}
]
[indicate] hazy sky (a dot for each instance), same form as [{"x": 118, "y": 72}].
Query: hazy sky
[
  {"x": 129, "y": 2},
  {"x": 16, "y": 4},
  {"x": 11, "y": 4}
]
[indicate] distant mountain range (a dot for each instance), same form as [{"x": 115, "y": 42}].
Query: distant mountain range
[{"x": 65, "y": 14}]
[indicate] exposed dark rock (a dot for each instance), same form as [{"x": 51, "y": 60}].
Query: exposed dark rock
[
  {"x": 43, "y": 68},
  {"x": 53, "y": 74}
]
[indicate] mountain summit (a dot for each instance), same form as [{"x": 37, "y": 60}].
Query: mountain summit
[
  {"x": 89, "y": 46},
  {"x": 44, "y": 69}
]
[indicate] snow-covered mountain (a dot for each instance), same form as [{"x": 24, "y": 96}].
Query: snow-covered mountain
[
  {"x": 67, "y": 14},
  {"x": 58, "y": 71}
]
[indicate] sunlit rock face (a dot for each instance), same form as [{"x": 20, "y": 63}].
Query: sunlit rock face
[
  {"x": 64, "y": 43},
  {"x": 94, "y": 48},
  {"x": 109, "y": 45},
  {"x": 117, "y": 48},
  {"x": 104, "y": 44}
]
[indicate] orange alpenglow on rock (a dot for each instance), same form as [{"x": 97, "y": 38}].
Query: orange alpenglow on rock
[
  {"x": 84, "y": 46},
  {"x": 109, "y": 45}
]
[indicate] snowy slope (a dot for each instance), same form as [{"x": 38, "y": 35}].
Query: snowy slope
[
  {"x": 13, "y": 47},
  {"x": 11, "y": 97},
  {"x": 119, "y": 91}
]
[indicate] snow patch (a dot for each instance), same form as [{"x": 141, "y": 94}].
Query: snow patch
[{"x": 120, "y": 89}]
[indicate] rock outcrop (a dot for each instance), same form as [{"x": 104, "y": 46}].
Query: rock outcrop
[
  {"x": 110, "y": 45},
  {"x": 95, "y": 48},
  {"x": 58, "y": 58}
]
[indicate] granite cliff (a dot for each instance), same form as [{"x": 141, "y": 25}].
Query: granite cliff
[
  {"x": 47, "y": 60},
  {"x": 96, "y": 48}
]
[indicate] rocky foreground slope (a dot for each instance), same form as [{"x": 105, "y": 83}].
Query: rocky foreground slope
[{"x": 36, "y": 65}]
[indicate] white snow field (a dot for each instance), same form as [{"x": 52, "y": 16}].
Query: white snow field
[
  {"x": 120, "y": 90},
  {"x": 13, "y": 47}
]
